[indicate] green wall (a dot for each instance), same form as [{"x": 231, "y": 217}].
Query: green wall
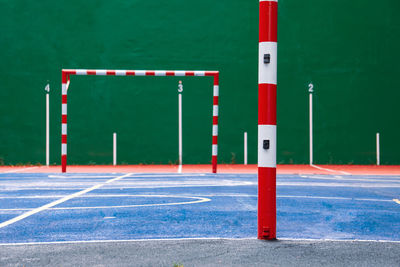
[{"x": 348, "y": 49}]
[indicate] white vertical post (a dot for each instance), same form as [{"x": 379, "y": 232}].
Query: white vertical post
[
  {"x": 245, "y": 148},
  {"x": 115, "y": 149},
  {"x": 47, "y": 88},
  {"x": 180, "y": 90},
  {"x": 310, "y": 90},
  {"x": 378, "y": 160}
]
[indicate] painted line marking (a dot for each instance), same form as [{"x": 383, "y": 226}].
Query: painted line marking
[
  {"x": 54, "y": 203},
  {"x": 337, "y": 198},
  {"x": 143, "y": 175},
  {"x": 127, "y": 184},
  {"x": 202, "y": 195},
  {"x": 96, "y": 196},
  {"x": 177, "y": 185},
  {"x": 294, "y": 184},
  {"x": 330, "y": 170},
  {"x": 397, "y": 201},
  {"x": 339, "y": 240},
  {"x": 133, "y": 175},
  {"x": 352, "y": 178},
  {"x": 81, "y": 176},
  {"x": 191, "y": 238},
  {"x": 360, "y": 185},
  {"x": 197, "y": 200},
  {"x": 20, "y": 170},
  {"x": 201, "y": 199}
]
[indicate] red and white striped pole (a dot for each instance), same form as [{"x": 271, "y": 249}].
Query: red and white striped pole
[
  {"x": 267, "y": 80},
  {"x": 215, "y": 124},
  {"x": 64, "y": 78}
]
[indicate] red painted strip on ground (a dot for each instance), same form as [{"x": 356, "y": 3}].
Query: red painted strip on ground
[{"x": 222, "y": 168}]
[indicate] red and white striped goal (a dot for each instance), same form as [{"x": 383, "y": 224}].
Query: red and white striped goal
[{"x": 65, "y": 78}]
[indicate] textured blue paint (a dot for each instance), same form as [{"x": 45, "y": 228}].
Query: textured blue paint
[{"x": 345, "y": 207}]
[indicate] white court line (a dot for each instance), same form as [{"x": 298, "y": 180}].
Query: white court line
[
  {"x": 171, "y": 175},
  {"x": 329, "y": 170},
  {"x": 352, "y": 178},
  {"x": 298, "y": 184},
  {"x": 54, "y": 203},
  {"x": 81, "y": 176},
  {"x": 94, "y": 196},
  {"x": 133, "y": 176},
  {"x": 180, "y": 169},
  {"x": 197, "y": 200},
  {"x": 193, "y": 239},
  {"x": 200, "y": 200},
  {"x": 338, "y": 198},
  {"x": 339, "y": 240},
  {"x": 360, "y": 185},
  {"x": 23, "y": 169}
]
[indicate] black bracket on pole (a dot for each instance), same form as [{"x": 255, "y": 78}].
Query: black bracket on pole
[
  {"x": 267, "y": 58},
  {"x": 266, "y": 144}
]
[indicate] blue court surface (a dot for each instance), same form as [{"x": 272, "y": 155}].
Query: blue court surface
[{"x": 115, "y": 206}]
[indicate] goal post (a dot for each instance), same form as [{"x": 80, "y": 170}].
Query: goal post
[{"x": 65, "y": 80}]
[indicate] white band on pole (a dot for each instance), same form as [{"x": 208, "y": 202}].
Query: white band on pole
[
  {"x": 180, "y": 129},
  {"x": 47, "y": 130},
  {"x": 310, "y": 90},
  {"x": 378, "y": 160},
  {"x": 180, "y": 89},
  {"x": 245, "y": 148},
  {"x": 115, "y": 149}
]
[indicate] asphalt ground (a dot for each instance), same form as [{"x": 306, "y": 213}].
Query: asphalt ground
[{"x": 211, "y": 252}]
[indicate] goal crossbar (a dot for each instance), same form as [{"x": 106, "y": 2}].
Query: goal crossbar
[{"x": 65, "y": 80}]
